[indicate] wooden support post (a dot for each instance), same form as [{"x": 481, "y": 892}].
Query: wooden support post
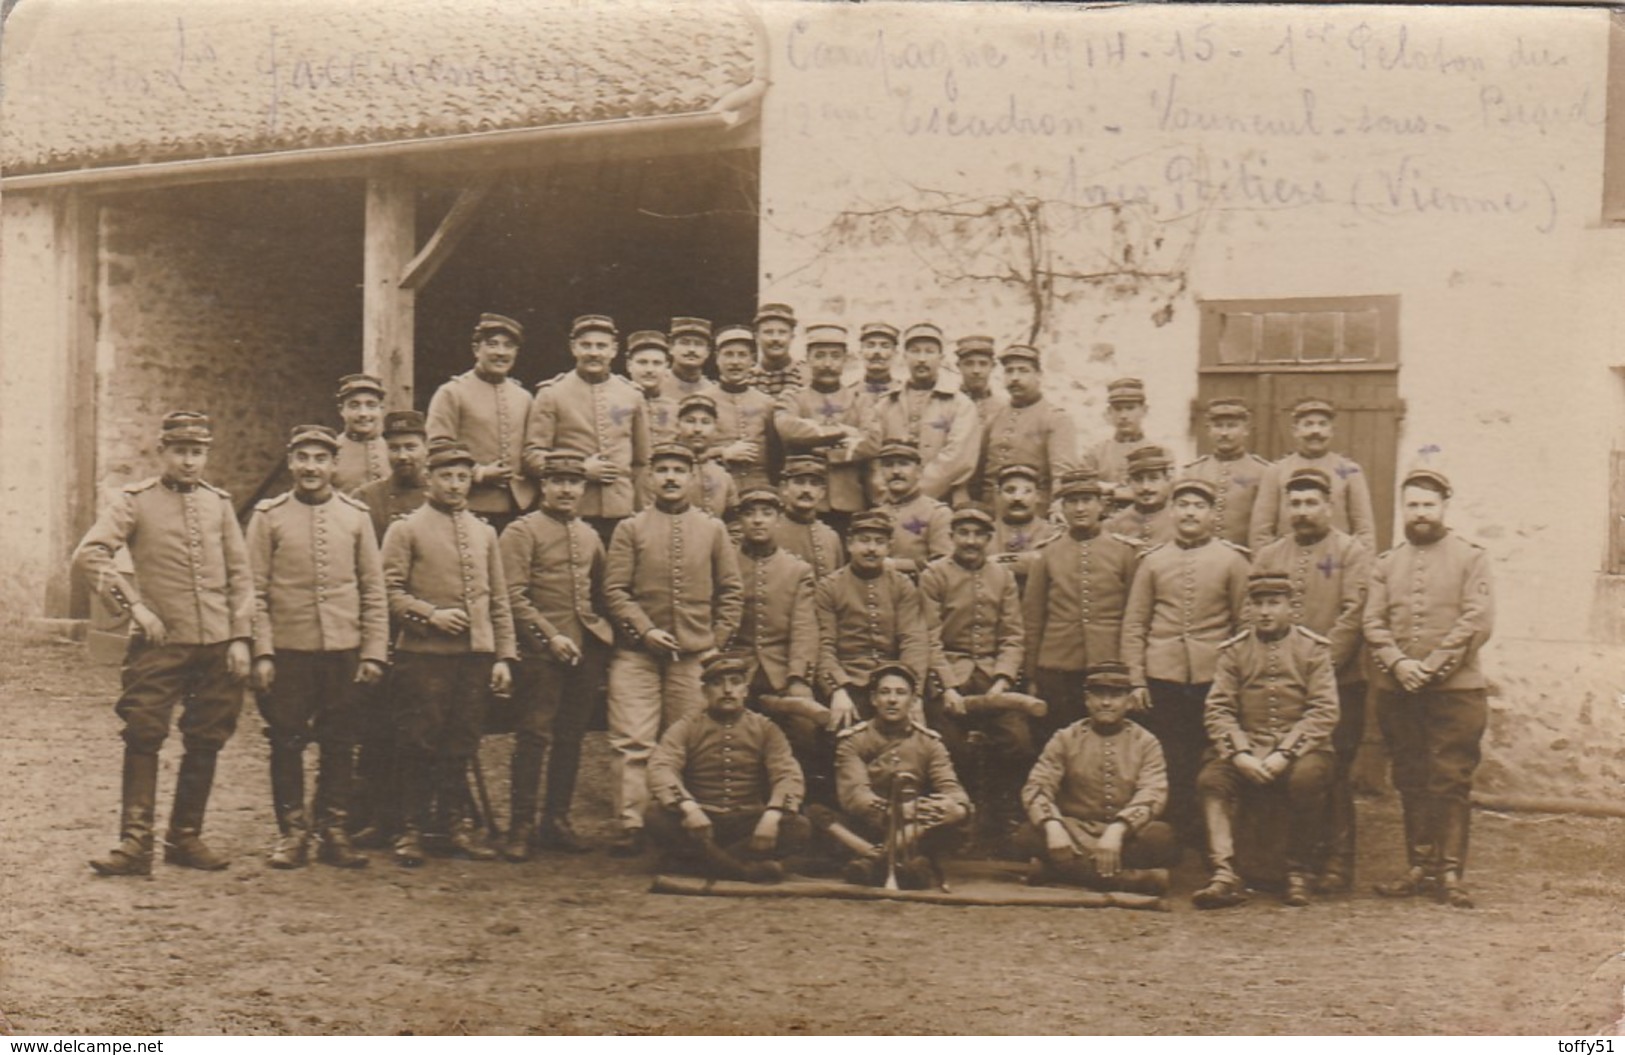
[
  {"x": 388, "y": 309},
  {"x": 76, "y": 238}
]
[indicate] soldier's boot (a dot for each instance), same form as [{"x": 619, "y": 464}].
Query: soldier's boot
[
  {"x": 292, "y": 849},
  {"x": 1152, "y": 881},
  {"x": 1296, "y": 894},
  {"x": 916, "y": 873},
  {"x": 183, "y": 843},
  {"x": 1337, "y": 872},
  {"x": 461, "y": 836},
  {"x": 1455, "y": 821},
  {"x": 865, "y": 870},
  {"x": 335, "y": 790},
  {"x": 763, "y": 872},
  {"x": 1419, "y": 878},
  {"x": 556, "y": 833},
  {"x": 1225, "y": 887},
  {"x": 524, "y": 777},
  {"x": 133, "y": 855},
  {"x": 1078, "y": 870},
  {"x": 408, "y": 850},
  {"x": 415, "y": 790},
  {"x": 377, "y": 798},
  {"x": 717, "y": 862}
]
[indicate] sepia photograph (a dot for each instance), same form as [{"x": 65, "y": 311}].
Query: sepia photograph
[{"x": 786, "y": 517}]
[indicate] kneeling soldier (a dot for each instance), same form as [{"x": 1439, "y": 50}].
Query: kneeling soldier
[
  {"x": 192, "y": 609},
  {"x": 726, "y": 788},
  {"x": 1095, "y": 795},
  {"x": 1270, "y": 716},
  {"x": 321, "y": 629}
]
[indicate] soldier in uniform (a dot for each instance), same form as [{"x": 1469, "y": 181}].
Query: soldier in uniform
[
  {"x": 321, "y": 632},
  {"x": 1094, "y": 797},
  {"x": 775, "y": 329},
  {"x": 877, "y": 348},
  {"x": 827, "y": 416},
  {"x": 1149, "y": 521},
  {"x": 1270, "y": 715},
  {"x": 1429, "y": 612},
  {"x": 868, "y": 614},
  {"x": 1019, "y": 530},
  {"x": 1329, "y": 572},
  {"x": 799, "y": 532},
  {"x": 593, "y": 412},
  {"x": 1188, "y": 597},
  {"x": 710, "y": 487},
  {"x": 363, "y": 455},
  {"x": 973, "y": 614},
  {"x": 1233, "y": 470},
  {"x": 869, "y": 759},
  {"x": 673, "y": 591},
  {"x": 1125, "y": 410},
  {"x": 1073, "y": 605},
  {"x": 191, "y": 608},
  {"x": 1312, "y": 427},
  {"x": 975, "y": 357},
  {"x": 406, "y": 436},
  {"x": 928, "y": 412},
  {"x": 690, "y": 349},
  {"x": 923, "y": 532},
  {"x": 744, "y": 414},
  {"x": 1029, "y": 430},
  {"x": 486, "y": 410},
  {"x": 448, "y": 596},
  {"x": 727, "y": 791},
  {"x": 554, "y": 567},
  {"x": 648, "y": 362}
]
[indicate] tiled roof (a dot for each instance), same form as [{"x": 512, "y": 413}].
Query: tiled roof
[{"x": 99, "y": 82}]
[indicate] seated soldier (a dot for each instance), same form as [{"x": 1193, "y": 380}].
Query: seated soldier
[
  {"x": 1270, "y": 716},
  {"x": 724, "y": 785},
  {"x": 1095, "y": 795},
  {"x": 870, "y": 760}
]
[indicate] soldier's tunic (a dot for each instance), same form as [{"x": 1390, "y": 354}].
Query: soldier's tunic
[
  {"x": 987, "y": 402},
  {"x": 359, "y": 461},
  {"x": 924, "y": 529},
  {"x": 608, "y": 418},
  {"x": 943, "y": 422},
  {"x": 1088, "y": 780},
  {"x": 490, "y": 420},
  {"x": 864, "y": 621},
  {"x": 1077, "y": 589},
  {"x": 776, "y": 380},
  {"x": 388, "y": 500},
  {"x": 744, "y": 413},
  {"x": 1351, "y": 500},
  {"x": 1147, "y": 528},
  {"x": 662, "y": 413},
  {"x": 867, "y": 761},
  {"x": 674, "y": 570},
  {"x": 1039, "y": 434},
  {"x": 813, "y": 541},
  {"x": 808, "y": 419},
  {"x": 1236, "y": 481},
  {"x": 974, "y": 618},
  {"x": 1273, "y": 694},
  {"x": 778, "y": 624},
  {"x": 192, "y": 571}
]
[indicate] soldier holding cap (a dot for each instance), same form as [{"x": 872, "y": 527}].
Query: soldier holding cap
[
  {"x": 868, "y": 614},
  {"x": 363, "y": 457},
  {"x": 1429, "y": 612},
  {"x": 1270, "y": 715},
  {"x": 191, "y": 607},
  {"x": 1028, "y": 431},
  {"x": 321, "y": 631},
  {"x": 1094, "y": 797},
  {"x": 1329, "y": 572},
  {"x": 744, "y": 414},
  {"x": 596, "y": 413},
  {"x": 406, "y": 436},
  {"x": 648, "y": 362},
  {"x": 1233, "y": 470},
  {"x": 486, "y": 410},
  {"x": 727, "y": 791},
  {"x": 799, "y": 532},
  {"x": 449, "y": 597},
  {"x": 828, "y": 417},
  {"x": 554, "y": 567},
  {"x": 922, "y": 529},
  {"x": 974, "y": 355},
  {"x": 1188, "y": 597},
  {"x": 1125, "y": 409},
  {"x": 1149, "y": 521},
  {"x": 1312, "y": 429},
  {"x": 673, "y": 590},
  {"x": 1077, "y": 589},
  {"x": 929, "y": 412},
  {"x": 690, "y": 349},
  {"x": 775, "y": 329}
]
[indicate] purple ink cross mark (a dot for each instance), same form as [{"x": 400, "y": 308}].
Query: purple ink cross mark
[
  {"x": 942, "y": 424},
  {"x": 1346, "y": 469},
  {"x": 1327, "y": 565},
  {"x": 915, "y": 525},
  {"x": 829, "y": 410},
  {"x": 619, "y": 415}
]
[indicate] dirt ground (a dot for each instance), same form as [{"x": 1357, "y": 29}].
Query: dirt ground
[{"x": 577, "y": 945}]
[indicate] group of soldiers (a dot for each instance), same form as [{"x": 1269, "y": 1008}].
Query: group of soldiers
[{"x": 871, "y": 621}]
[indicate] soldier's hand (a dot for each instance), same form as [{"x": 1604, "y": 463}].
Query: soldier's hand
[
  {"x": 766, "y": 835},
  {"x": 1411, "y": 674},
  {"x": 370, "y": 672},
  {"x": 694, "y": 818},
  {"x": 501, "y": 678},
  {"x": 1057, "y": 839},
  {"x": 740, "y": 451},
  {"x": 797, "y": 687},
  {"x": 1275, "y": 763},
  {"x": 264, "y": 674},
  {"x": 1108, "y": 852},
  {"x": 953, "y": 702},
  {"x": 1139, "y": 700},
  {"x": 843, "y": 712},
  {"x": 601, "y": 470},
  {"x": 147, "y": 622},
  {"x": 492, "y": 474},
  {"x": 564, "y": 650},
  {"x": 662, "y": 640},
  {"x": 239, "y": 660},
  {"x": 449, "y": 621},
  {"x": 1251, "y": 768}
]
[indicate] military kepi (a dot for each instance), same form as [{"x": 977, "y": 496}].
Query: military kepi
[
  {"x": 586, "y": 323},
  {"x": 1264, "y": 584},
  {"x": 713, "y": 667},
  {"x": 186, "y": 426},
  {"x": 563, "y": 463},
  {"x": 1108, "y": 678},
  {"x": 492, "y": 321},
  {"x": 350, "y": 384},
  {"x": 449, "y": 454},
  {"x": 405, "y": 422},
  {"x": 320, "y": 435}
]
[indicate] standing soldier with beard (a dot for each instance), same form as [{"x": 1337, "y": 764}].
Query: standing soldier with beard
[
  {"x": 486, "y": 411},
  {"x": 406, "y": 487},
  {"x": 1429, "y": 612}
]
